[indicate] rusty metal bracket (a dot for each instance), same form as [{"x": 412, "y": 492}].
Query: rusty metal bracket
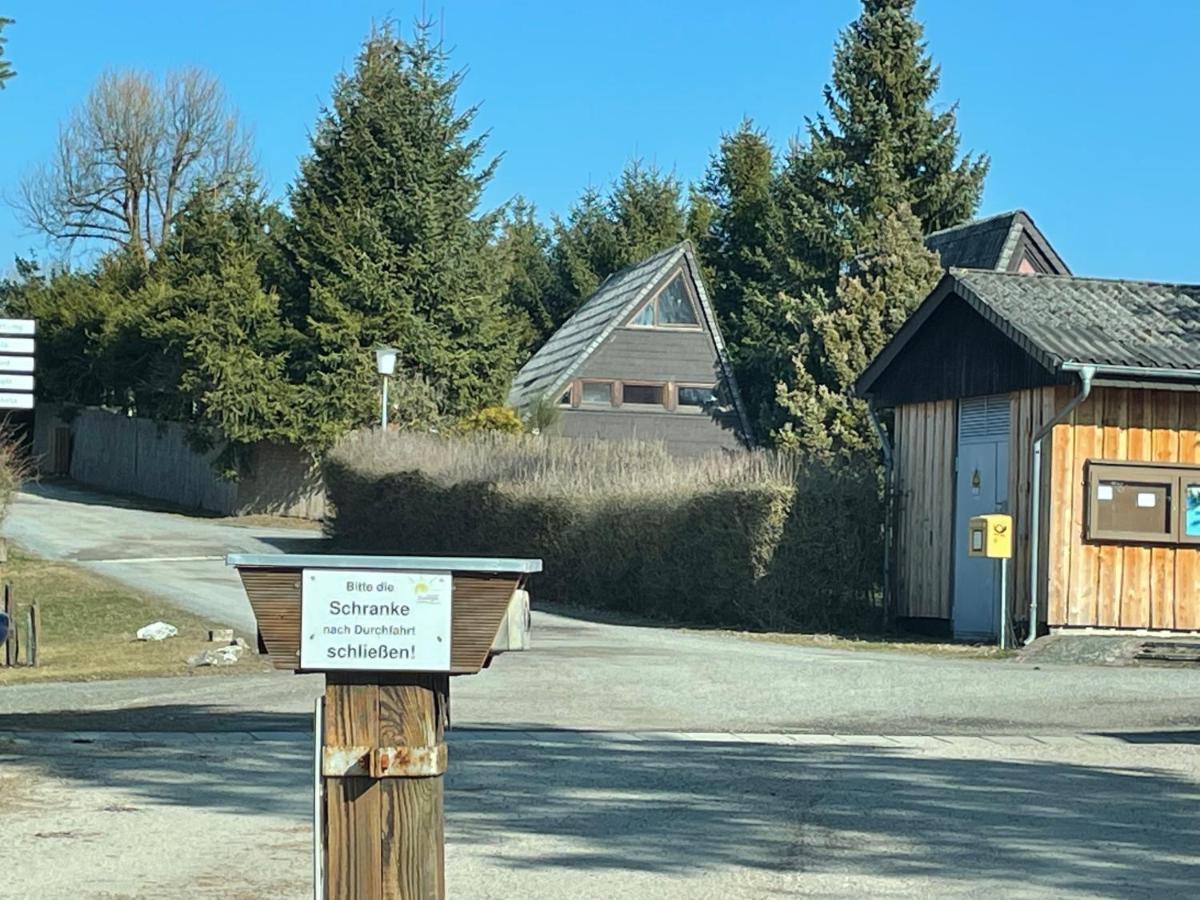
[{"x": 383, "y": 762}]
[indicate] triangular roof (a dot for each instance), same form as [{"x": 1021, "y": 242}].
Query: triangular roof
[
  {"x": 996, "y": 243},
  {"x": 551, "y": 369},
  {"x": 1127, "y": 327}
]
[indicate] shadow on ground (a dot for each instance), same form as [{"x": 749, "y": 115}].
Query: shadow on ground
[
  {"x": 67, "y": 489},
  {"x": 603, "y": 803},
  {"x": 665, "y": 805}
]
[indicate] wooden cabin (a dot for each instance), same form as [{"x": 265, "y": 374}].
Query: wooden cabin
[
  {"x": 1074, "y": 405},
  {"x": 642, "y": 358}
]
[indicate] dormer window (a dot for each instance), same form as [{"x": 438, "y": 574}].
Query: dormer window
[{"x": 671, "y": 307}]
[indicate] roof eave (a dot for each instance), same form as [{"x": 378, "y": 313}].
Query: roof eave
[
  {"x": 714, "y": 329},
  {"x": 1041, "y": 242},
  {"x": 951, "y": 285},
  {"x": 1049, "y": 360},
  {"x": 885, "y": 357}
]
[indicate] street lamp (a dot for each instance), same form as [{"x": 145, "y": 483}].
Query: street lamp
[{"x": 385, "y": 365}]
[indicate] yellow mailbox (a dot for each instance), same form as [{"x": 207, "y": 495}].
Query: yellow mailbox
[{"x": 990, "y": 536}]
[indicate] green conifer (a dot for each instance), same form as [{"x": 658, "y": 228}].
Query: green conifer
[
  {"x": 387, "y": 242},
  {"x": 643, "y": 213},
  {"x": 879, "y": 171}
]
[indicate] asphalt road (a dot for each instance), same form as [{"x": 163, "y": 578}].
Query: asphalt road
[
  {"x": 610, "y": 761},
  {"x": 177, "y": 557},
  {"x": 585, "y": 675},
  {"x": 597, "y": 816}
]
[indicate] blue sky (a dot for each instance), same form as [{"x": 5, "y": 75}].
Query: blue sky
[{"x": 1090, "y": 118}]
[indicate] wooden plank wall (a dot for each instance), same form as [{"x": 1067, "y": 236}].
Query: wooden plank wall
[
  {"x": 924, "y": 461},
  {"x": 1030, "y": 410},
  {"x": 1121, "y": 586}
]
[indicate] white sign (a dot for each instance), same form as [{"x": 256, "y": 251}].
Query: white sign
[
  {"x": 16, "y": 345},
  {"x": 17, "y": 326},
  {"x": 1104, "y": 492},
  {"x": 1147, "y": 501},
  {"x": 376, "y": 620},
  {"x": 16, "y": 401},
  {"x": 16, "y": 363},
  {"x": 16, "y": 382}
]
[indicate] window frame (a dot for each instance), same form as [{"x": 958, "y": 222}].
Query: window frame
[
  {"x": 597, "y": 404},
  {"x": 652, "y": 302},
  {"x": 664, "y": 400},
  {"x": 1186, "y": 480},
  {"x": 1175, "y": 477},
  {"x": 687, "y": 409}
]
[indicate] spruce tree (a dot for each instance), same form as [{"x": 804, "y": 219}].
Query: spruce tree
[
  {"x": 643, "y": 213},
  {"x": 222, "y": 346},
  {"x": 524, "y": 249},
  {"x": 741, "y": 252},
  {"x": 879, "y": 171},
  {"x": 892, "y": 274},
  {"x": 387, "y": 241},
  {"x": 882, "y": 130}
]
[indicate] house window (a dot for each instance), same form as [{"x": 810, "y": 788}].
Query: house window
[
  {"x": 693, "y": 397},
  {"x": 1147, "y": 504},
  {"x": 672, "y": 307},
  {"x": 643, "y": 394},
  {"x": 596, "y": 392},
  {"x": 1191, "y": 510},
  {"x": 645, "y": 318},
  {"x": 565, "y": 399}
]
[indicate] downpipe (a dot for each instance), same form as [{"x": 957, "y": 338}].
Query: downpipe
[{"x": 1086, "y": 374}]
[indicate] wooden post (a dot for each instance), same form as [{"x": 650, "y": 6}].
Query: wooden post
[
  {"x": 12, "y": 647},
  {"x": 33, "y": 634},
  {"x": 383, "y": 759}
]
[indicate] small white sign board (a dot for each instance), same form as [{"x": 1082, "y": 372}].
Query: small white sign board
[
  {"x": 15, "y": 401},
  {"x": 16, "y": 363},
  {"x": 375, "y": 620},
  {"x": 16, "y": 345},
  {"x": 17, "y": 326},
  {"x": 16, "y": 382}
]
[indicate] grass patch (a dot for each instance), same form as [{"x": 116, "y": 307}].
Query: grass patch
[
  {"x": 899, "y": 642},
  {"x": 89, "y": 624},
  {"x": 902, "y": 643},
  {"x": 269, "y": 520}
]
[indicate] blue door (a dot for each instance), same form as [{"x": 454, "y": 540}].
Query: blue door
[{"x": 981, "y": 488}]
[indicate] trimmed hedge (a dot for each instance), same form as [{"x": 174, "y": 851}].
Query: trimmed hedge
[{"x": 748, "y": 540}]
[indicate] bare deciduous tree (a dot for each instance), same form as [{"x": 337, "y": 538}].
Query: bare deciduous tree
[{"x": 130, "y": 154}]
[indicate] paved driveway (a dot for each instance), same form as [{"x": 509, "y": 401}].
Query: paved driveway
[
  {"x": 610, "y": 761},
  {"x": 588, "y": 675},
  {"x": 562, "y": 814},
  {"x": 178, "y": 557}
]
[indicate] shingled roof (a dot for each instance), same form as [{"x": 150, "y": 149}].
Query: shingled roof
[
  {"x": 550, "y": 369},
  {"x": 1091, "y": 321},
  {"x": 1064, "y": 320},
  {"x": 994, "y": 243}
]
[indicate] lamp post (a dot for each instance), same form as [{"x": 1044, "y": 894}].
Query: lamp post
[{"x": 385, "y": 365}]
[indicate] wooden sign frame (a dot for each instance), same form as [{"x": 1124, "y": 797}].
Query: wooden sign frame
[
  {"x": 380, "y": 751},
  {"x": 481, "y": 590}
]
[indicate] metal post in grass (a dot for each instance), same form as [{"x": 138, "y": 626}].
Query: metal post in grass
[
  {"x": 387, "y": 633},
  {"x": 385, "y": 365}
]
